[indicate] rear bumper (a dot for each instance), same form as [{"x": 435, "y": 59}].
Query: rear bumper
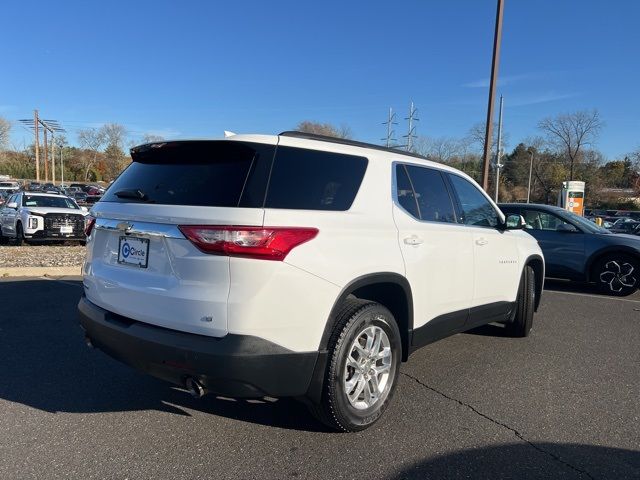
[{"x": 235, "y": 365}]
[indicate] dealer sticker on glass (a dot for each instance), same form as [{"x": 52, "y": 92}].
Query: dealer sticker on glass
[{"x": 133, "y": 251}]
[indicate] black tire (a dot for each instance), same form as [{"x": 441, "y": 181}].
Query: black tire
[
  {"x": 522, "y": 319},
  {"x": 335, "y": 409},
  {"x": 617, "y": 274},
  {"x": 3, "y": 239},
  {"x": 19, "y": 240}
]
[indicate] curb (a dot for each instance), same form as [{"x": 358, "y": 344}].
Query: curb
[{"x": 40, "y": 271}]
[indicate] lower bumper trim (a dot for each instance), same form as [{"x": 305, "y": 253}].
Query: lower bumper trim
[{"x": 240, "y": 366}]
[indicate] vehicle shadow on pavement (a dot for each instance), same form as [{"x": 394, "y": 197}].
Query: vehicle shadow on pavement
[
  {"x": 587, "y": 288},
  {"x": 45, "y": 364},
  {"x": 535, "y": 460}
]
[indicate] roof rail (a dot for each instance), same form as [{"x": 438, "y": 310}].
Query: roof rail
[{"x": 346, "y": 141}]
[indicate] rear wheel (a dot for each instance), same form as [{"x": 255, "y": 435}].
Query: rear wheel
[
  {"x": 3, "y": 239},
  {"x": 522, "y": 319},
  {"x": 617, "y": 274},
  {"x": 363, "y": 367}
]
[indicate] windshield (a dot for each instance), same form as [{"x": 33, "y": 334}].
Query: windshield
[
  {"x": 52, "y": 202},
  {"x": 583, "y": 222}
]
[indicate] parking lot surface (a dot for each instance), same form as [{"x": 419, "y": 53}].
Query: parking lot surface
[{"x": 563, "y": 403}]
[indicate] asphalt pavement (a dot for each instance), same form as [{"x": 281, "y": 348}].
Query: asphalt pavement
[{"x": 563, "y": 403}]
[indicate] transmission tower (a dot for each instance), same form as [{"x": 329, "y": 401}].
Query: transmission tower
[
  {"x": 411, "y": 134},
  {"x": 390, "y": 141}
]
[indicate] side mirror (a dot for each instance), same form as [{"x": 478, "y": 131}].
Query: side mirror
[
  {"x": 13, "y": 205},
  {"x": 514, "y": 222},
  {"x": 566, "y": 228}
]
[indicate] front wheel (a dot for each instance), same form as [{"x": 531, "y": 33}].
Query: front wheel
[
  {"x": 363, "y": 367},
  {"x": 19, "y": 240},
  {"x": 522, "y": 318},
  {"x": 617, "y": 274}
]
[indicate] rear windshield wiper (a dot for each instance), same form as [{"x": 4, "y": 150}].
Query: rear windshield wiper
[{"x": 134, "y": 194}]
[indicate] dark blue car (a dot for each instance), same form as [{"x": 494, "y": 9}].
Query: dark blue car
[{"x": 576, "y": 249}]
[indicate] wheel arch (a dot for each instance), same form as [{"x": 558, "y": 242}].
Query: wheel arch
[
  {"x": 391, "y": 290},
  {"x": 537, "y": 263}
]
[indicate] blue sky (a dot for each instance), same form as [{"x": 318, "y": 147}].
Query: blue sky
[{"x": 196, "y": 68}]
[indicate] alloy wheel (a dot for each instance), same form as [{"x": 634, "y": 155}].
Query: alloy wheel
[
  {"x": 618, "y": 275},
  {"x": 368, "y": 366}
]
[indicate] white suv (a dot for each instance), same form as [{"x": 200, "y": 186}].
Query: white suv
[
  {"x": 41, "y": 217},
  {"x": 297, "y": 265}
]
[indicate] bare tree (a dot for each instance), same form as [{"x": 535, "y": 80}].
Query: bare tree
[
  {"x": 91, "y": 139},
  {"x": 5, "y": 132},
  {"x": 151, "y": 138},
  {"x": 115, "y": 135},
  {"x": 441, "y": 149},
  {"x": 476, "y": 134},
  {"x": 327, "y": 129},
  {"x": 571, "y": 133}
]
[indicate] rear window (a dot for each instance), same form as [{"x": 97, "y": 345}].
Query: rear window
[
  {"x": 314, "y": 180},
  {"x": 235, "y": 174},
  {"x": 214, "y": 174}
]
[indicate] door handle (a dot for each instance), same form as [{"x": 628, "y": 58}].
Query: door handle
[
  {"x": 413, "y": 240},
  {"x": 482, "y": 241}
]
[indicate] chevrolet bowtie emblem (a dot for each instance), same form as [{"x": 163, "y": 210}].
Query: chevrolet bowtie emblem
[{"x": 124, "y": 226}]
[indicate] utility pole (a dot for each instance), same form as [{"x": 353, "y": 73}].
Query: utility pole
[
  {"x": 412, "y": 129},
  {"x": 497, "y": 38},
  {"x": 499, "y": 152},
  {"x": 46, "y": 160},
  {"x": 53, "y": 159},
  {"x": 52, "y": 126},
  {"x": 36, "y": 121},
  {"x": 61, "y": 166},
  {"x": 390, "y": 132},
  {"x": 530, "y": 170}
]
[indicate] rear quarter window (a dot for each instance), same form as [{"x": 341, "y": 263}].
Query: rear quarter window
[{"x": 314, "y": 180}]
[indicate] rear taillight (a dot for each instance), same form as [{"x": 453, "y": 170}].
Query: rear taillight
[
  {"x": 267, "y": 243},
  {"x": 89, "y": 222}
]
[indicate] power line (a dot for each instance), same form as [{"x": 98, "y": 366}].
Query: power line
[{"x": 51, "y": 126}]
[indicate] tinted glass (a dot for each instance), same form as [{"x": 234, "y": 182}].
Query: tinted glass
[
  {"x": 314, "y": 180},
  {"x": 406, "y": 198},
  {"x": 434, "y": 202},
  {"x": 216, "y": 174},
  {"x": 476, "y": 209}
]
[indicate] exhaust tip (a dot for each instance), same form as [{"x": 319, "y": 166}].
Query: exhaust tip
[{"x": 195, "y": 388}]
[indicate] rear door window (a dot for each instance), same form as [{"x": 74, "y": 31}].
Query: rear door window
[
  {"x": 199, "y": 173},
  {"x": 314, "y": 180},
  {"x": 432, "y": 196},
  {"x": 405, "y": 194}
]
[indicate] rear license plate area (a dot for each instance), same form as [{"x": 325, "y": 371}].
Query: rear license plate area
[{"x": 133, "y": 251}]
